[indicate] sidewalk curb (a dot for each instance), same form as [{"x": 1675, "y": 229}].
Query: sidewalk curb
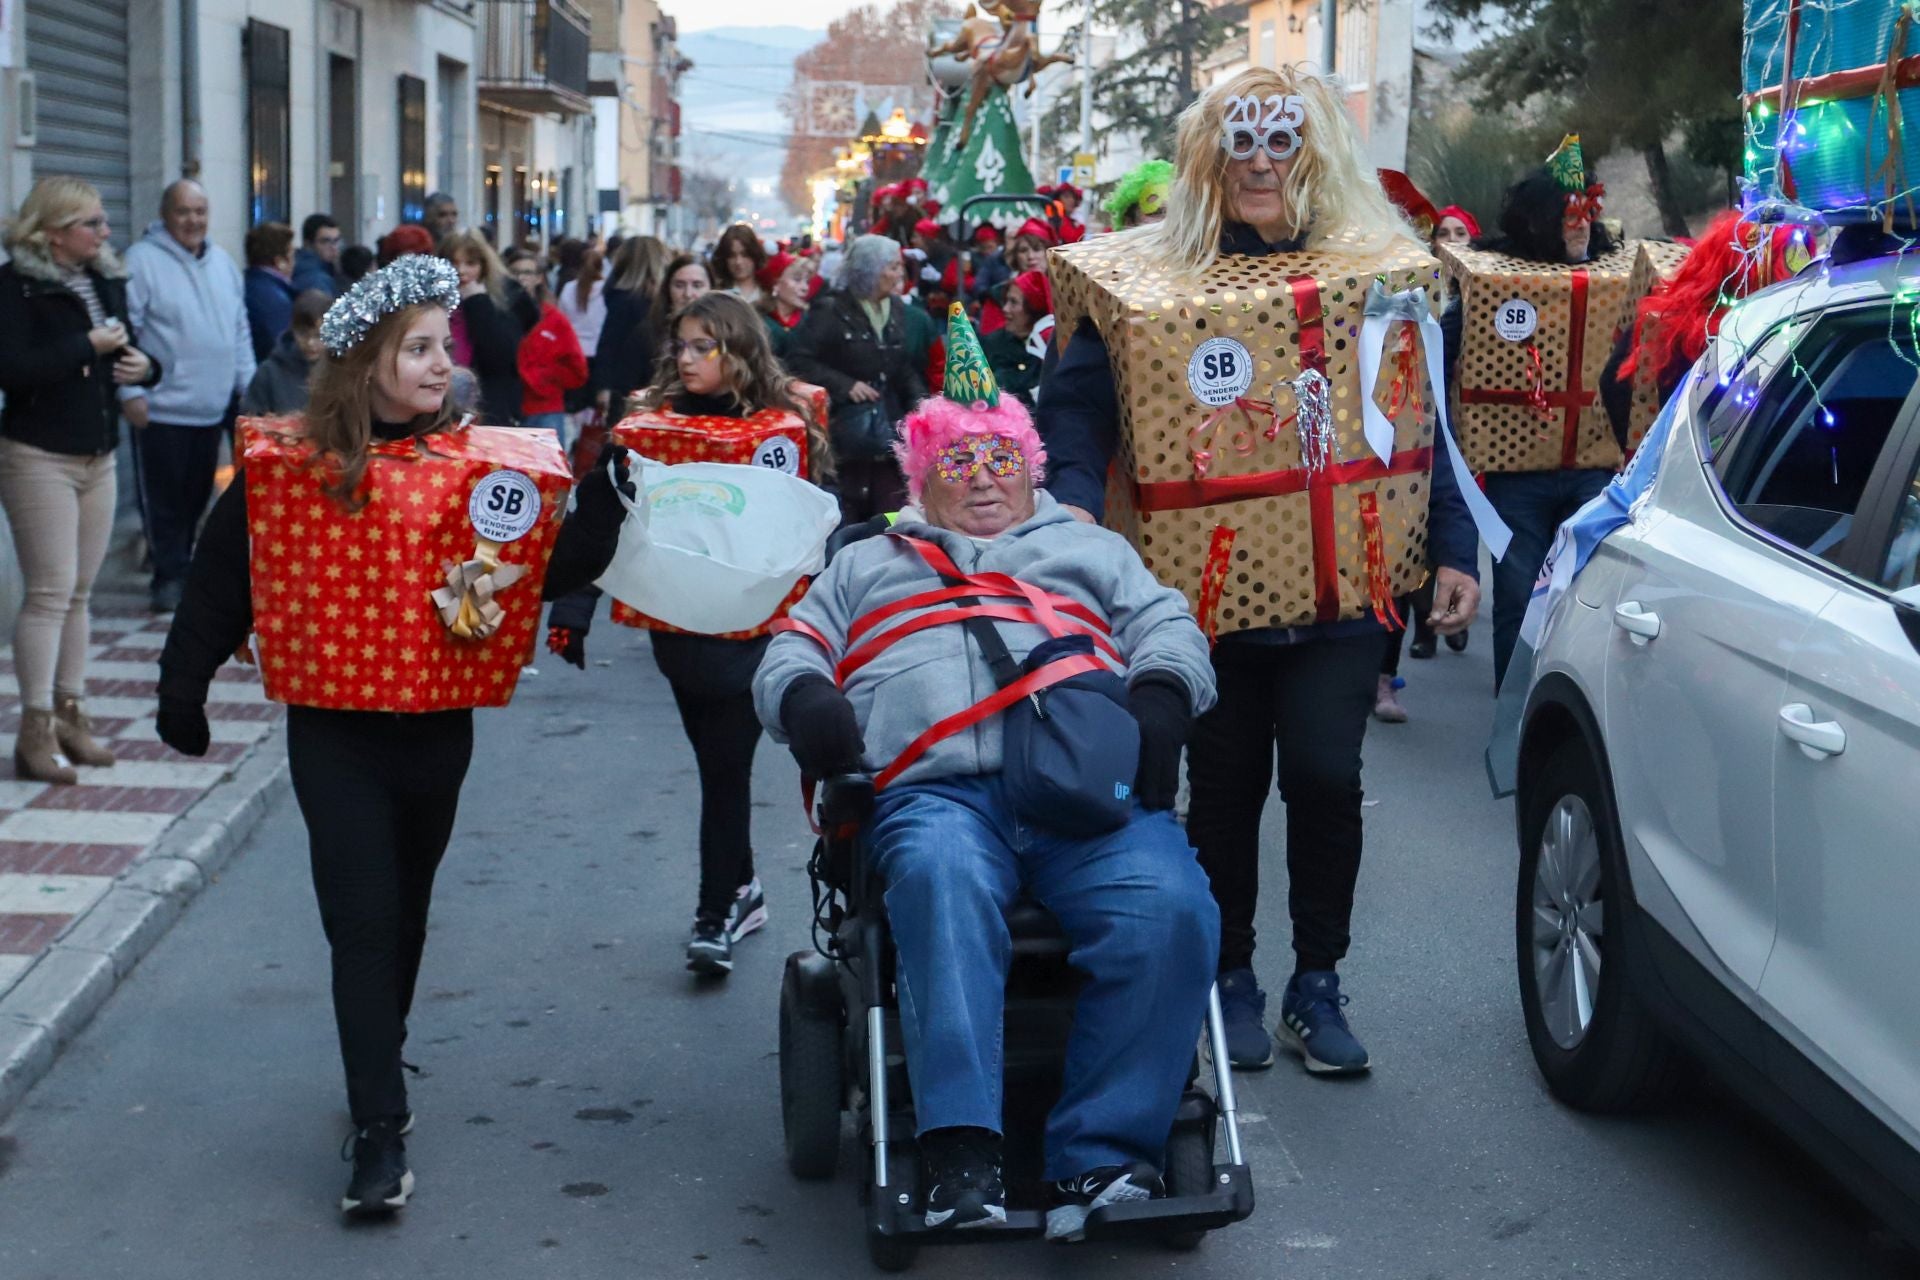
[{"x": 56, "y": 998}]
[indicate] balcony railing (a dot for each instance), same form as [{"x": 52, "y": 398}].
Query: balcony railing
[{"x": 535, "y": 55}]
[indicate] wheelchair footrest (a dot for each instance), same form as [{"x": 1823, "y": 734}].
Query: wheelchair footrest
[
  {"x": 1230, "y": 1201},
  {"x": 898, "y": 1223}
]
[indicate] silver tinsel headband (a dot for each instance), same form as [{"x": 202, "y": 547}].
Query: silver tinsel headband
[{"x": 405, "y": 282}]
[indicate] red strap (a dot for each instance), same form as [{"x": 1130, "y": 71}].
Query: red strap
[
  {"x": 1576, "y": 364},
  {"x": 966, "y": 591},
  {"x": 801, "y": 628},
  {"x": 1001, "y": 583},
  {"x": 1213, "y": 579},
  {"x": 1306, "y": 308},
  {"x": 1034, "y": 681},
  {"x": 940, "y": 617},
  {"x": 1326, "y": 550}
]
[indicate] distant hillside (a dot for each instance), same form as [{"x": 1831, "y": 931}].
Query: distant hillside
[{"x": 729, "y": 102}]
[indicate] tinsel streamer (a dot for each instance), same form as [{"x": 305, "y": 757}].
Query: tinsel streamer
[
  {"x": 1313, "y": 419},
  {"x": 405, "y": 282},
  {"x": 1379, "y": 585}
]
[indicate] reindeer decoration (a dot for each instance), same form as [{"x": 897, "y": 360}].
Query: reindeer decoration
[{"x": 1002, "y": 57}]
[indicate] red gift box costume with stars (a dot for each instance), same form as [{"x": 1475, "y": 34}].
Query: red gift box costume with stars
[
  {"x": 342, "y": 601},
  {"x": 770, "y": 438}
]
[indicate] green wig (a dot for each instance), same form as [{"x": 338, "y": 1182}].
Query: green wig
[{"x": 1137, "y": 182}]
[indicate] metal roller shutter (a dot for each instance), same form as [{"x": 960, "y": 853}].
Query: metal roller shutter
[{"x": 77, "y": 50}]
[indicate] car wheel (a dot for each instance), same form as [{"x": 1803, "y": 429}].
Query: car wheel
[
  {"x": 810, "y": 1085},
  {"x": 1592, "y": 1036}
]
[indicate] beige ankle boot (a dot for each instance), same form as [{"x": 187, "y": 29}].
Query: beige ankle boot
[
  {"x": 36, "y": 752},
  {"x": 74, "y": 732}
]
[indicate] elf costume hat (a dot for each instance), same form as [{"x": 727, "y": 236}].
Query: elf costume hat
[{"x": 970, "y": 404}]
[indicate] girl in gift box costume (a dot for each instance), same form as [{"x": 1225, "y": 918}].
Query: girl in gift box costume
[
  {"x": 718, "y": 364},
  {"x": 378, "y": 788},
  {"x": 1287, "y": 177}
]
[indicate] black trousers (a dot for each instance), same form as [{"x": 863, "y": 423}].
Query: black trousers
[
  {"x": 869, "y": 487},
  {"x": 724, "y": 732},
  {"x": 176, "y": 466},
  {"x": 1413, "y": 611},
  {"x": 1308, "y": 704},
  {"x": 379, "y": 793}
]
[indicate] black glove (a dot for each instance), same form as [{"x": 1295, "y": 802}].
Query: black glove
[
  {"x": 599, "y": 503},
  {"x": 182, "y": 725},
  {"x": 1165, "y": 715},
  {"x": 570, "y": 644},
  {"x": 821, "y": 728}
]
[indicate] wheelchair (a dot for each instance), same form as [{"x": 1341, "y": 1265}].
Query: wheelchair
[{"x": 841, "y": 1052}]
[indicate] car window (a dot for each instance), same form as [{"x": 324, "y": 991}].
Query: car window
[
  {"x": 1728, "y": 405},
  {"x": 1900, "y": 567},
  {"x": 1797, "y": 464}
]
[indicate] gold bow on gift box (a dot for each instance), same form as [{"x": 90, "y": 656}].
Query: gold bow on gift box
[{"x": 466, "y": 602}]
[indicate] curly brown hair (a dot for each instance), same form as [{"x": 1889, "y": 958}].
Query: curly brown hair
[{"x": 754, "y": 375}]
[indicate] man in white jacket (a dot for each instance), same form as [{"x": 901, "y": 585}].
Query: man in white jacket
[{"x": 185, "y": 298}]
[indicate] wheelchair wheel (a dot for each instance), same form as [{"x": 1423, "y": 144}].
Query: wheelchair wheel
[
  {"x": 810, "y": 1085},
  {"x": 1189, "y": 1173},
  {"x": 891, "y": 1253}
]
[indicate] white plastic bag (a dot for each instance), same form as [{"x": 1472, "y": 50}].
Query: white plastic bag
[{"x": 714, "y": 547}]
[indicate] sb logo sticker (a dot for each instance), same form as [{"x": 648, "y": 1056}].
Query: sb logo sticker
[
  {"x": 504, "y": 506},
  {"x": 1219, "y": 372},
  {"x": 779, "y": 454},
  {"x": 1515, "y": 320}
]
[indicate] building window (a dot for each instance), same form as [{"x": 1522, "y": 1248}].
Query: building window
[
  {"x": 453, "y": 133},
  {"x": 269, "y": 123},
  {"x": 413, "y": 149}
]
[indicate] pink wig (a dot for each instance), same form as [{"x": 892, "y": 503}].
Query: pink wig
[{"x": 938, "y": 422}]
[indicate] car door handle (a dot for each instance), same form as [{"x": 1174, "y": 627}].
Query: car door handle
[
  {"x": 1636, "y": 621},
  {"x": 1818, "y": 739}
]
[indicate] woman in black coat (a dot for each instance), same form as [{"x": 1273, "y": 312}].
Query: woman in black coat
[
  {"x": 65, "y": 347},
  {"x": 853, "y": 343}
]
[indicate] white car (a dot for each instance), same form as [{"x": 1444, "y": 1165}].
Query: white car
[{"x": 1718, "y": 786}]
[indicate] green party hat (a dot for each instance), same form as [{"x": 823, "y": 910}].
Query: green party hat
[
  {"x": 1567, "y": 165},
  {"x": 969, "y": 376}
]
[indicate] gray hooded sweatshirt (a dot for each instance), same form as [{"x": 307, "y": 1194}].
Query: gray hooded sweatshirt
[
  {"x": 928, "y": 676},
  {"x": 191, "y": 314}
]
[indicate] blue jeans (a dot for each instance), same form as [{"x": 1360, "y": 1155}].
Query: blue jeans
[
  {"x": 560, "y": 424},
  {"x": 1143, "y": 928},
  {"x": 1533, "y": 503}
]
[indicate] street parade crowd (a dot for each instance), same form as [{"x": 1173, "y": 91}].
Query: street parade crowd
[{"x": 1108, "y": 487}]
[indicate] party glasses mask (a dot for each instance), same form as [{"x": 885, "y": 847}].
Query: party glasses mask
[
  {"x": 702, "y": 347},
  {"x": 1269, "y": 124},
  {"x": 960, "y": 462},
  {"x": 1584, "y": 206}
]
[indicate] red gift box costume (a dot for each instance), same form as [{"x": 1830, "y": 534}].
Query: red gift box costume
[{"x": 343, "y": 602}]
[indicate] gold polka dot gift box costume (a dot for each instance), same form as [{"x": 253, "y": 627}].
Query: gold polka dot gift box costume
[
  {"x": 405, "y": 604},
  {"x": 1245, "y": 476}
]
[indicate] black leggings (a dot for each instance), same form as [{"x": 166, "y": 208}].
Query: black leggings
[
  {"x": 724, "y": 732},
  {"x": 378, "y": 792},
  {"x": 1312, "y": 701}
]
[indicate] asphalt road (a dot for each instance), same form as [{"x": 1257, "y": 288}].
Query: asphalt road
[{"x": 587, "y": 1111}]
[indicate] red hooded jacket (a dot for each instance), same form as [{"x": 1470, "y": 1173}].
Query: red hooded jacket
[{"x": 551, "y": 363}]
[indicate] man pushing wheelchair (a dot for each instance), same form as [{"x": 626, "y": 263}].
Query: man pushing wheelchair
[{"x": 1021, "y": 687}]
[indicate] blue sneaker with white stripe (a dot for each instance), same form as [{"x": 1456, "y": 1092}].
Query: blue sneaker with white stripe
[
  {"x": 1243, "y": 1010},
  {"x": 1313, "y": 1026}
]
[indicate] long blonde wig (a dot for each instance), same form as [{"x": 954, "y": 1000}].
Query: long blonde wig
[{"x": 1330, "y": 192}]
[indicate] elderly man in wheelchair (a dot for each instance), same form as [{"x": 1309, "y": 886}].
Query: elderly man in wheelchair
[{"x": 1022, "y": 687}]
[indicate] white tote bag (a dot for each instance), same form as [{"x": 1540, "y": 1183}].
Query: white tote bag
[{"x": 714, "y": 547}]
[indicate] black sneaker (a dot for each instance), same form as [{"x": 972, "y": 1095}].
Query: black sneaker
[
  {"x": 963, "y": 1178},
  {"x": 749, "y": 910},
  {"x": 381, "y": 1181},
  {"x": 1077, "y": 1197},
  {"x": 710, "y": 950}
]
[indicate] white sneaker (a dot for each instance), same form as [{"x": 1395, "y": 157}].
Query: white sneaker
[{"x": 749, "y": 910}]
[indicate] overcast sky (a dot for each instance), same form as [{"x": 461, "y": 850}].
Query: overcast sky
[{"x": 693, "y": 16}]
